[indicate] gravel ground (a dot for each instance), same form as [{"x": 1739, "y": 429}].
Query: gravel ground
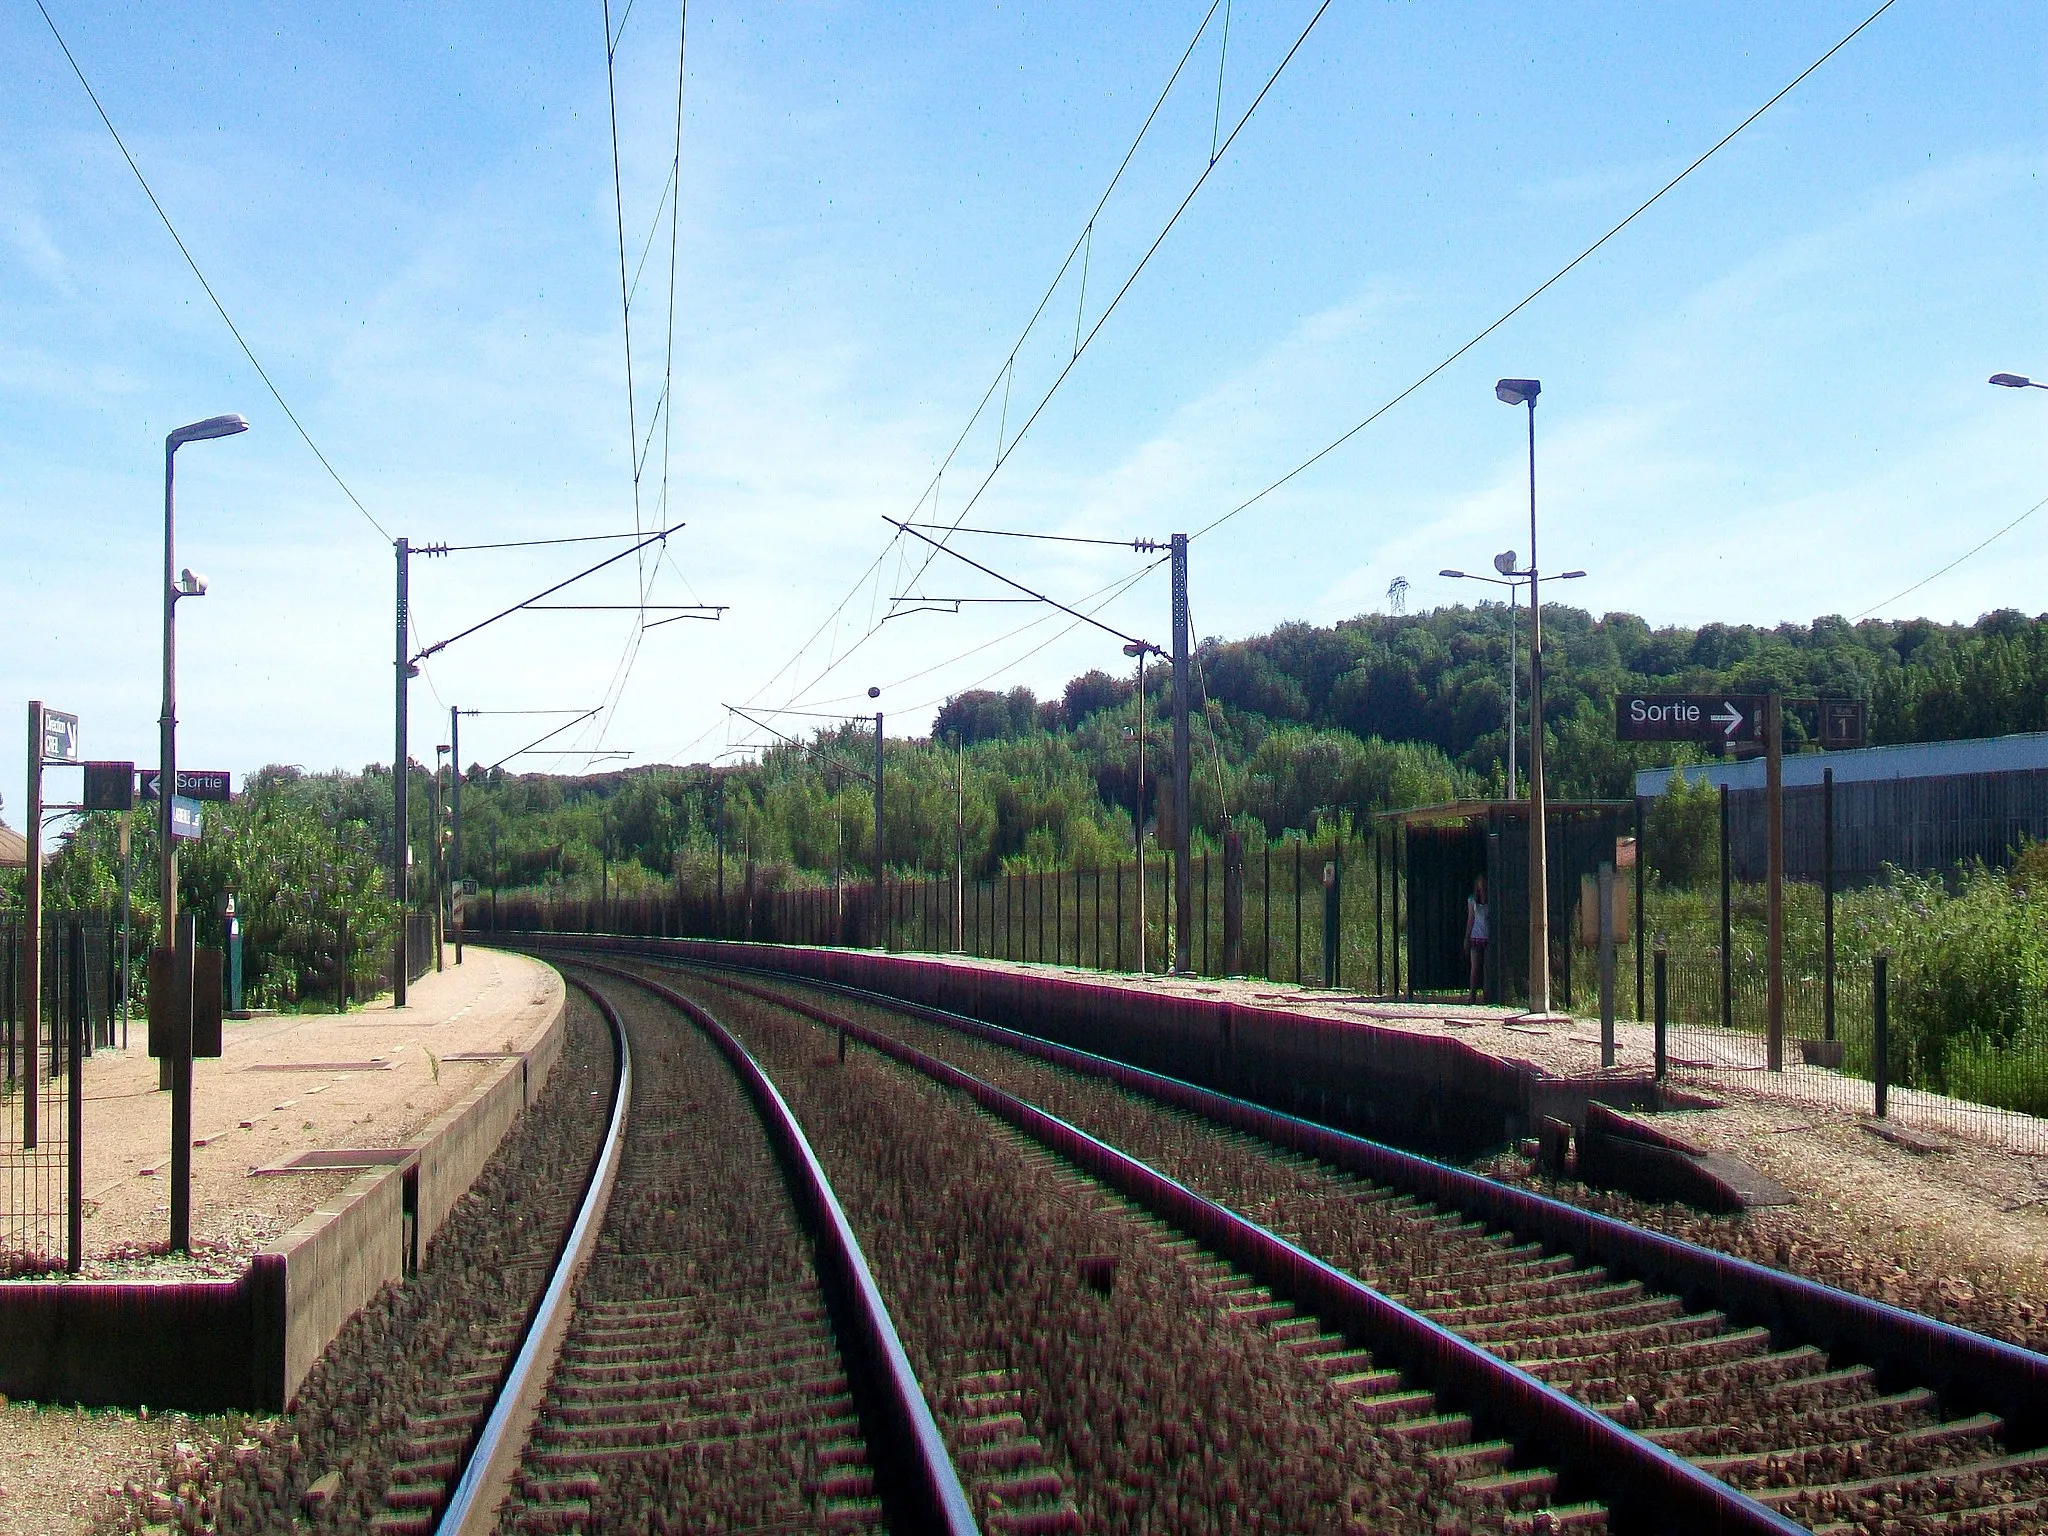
[
  {"x": 349, "y": 1424},
  {"x": 71, "y": 1470}
]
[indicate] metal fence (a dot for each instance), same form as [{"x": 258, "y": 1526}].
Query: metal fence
[
  {"x": 43, "y": 1048},
  {"x": 1715, "y": 1030},
  {"x": 1081, "y": 917},
  {"x": 1986, "y": 1085}
]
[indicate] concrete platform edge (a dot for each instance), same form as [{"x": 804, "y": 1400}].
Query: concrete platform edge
[{"x": 212, "y": 1345}]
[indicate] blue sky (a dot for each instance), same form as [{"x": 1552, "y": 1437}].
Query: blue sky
[{"x": 1764, "y": 401}]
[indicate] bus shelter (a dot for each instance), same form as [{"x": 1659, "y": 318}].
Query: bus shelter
[{"x": 1443, "y": 849}]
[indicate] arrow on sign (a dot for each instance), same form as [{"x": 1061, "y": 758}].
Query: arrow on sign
[{"x": 1728, "y": 717}]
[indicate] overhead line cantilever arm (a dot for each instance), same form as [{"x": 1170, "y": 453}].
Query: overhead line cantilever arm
[
  {"x": 551, "y": 735},
  {"x": 1076, "y": 613},
  {"x": 442, "y": 645}
]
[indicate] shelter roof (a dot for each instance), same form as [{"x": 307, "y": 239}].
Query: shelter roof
[{"x": 13, "y": 848}]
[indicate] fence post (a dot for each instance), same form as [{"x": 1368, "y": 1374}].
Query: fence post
[
  {"x": 1330, "y": 923},
  {"x": 1266, "y": 944},
  {"x": 1881, "y": 1029},
  {"x": 1727, "y": 926},
  {"x": 1827, "y": 842},
  {"x": 1604, "y": 889},
  {"x": 74, "y": 1207},
  {"x": 1663, "y": 1049}
]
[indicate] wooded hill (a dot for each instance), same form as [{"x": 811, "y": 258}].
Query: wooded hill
[{"x": 1304, "y": 726}]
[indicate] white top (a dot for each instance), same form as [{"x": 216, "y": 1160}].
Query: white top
[{"x": 1476, "y": 919}]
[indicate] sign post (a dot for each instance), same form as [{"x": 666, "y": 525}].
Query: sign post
[{"x": 1748, "y": 718}]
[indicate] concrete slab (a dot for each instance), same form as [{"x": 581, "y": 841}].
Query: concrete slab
[{"x": 285, "y": 1086}]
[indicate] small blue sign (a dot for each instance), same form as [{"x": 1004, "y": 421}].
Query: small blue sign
[{"x": 188, "y": 817}]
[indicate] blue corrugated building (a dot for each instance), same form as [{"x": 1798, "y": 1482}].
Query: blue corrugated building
[{"x": 1927, "y": 806}]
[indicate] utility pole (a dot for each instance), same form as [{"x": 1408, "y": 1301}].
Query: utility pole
[
  {"x": 401, "y": 764},
  {"x": 455, "y": 815},
  {"x": 881, "y": 875},
  {"x": 718, "y": 836},
  {"x": 959, "y": 844},
  {"x": 401, "y": 850},
  {"x": 1138, "y": 648},
  {"x": 1183, "y": 818}
]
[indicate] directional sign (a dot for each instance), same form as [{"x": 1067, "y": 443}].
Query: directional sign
[
  {"x": 1688, "y": 717},
  {"x": 109, "y": 786},
  {"x": 188, "y": 819},
  {"x": 193, "y": 784},
  {"x": 203, "y": 783},
  {"x": 60, "y": 737}
]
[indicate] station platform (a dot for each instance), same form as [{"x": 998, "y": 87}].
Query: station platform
[{"x": 370, "y": 1080}]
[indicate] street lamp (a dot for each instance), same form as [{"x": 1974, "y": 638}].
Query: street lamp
[
  {"x": 185, "y": 584},
  {"x": 2015, "y": 381},
  {"x": 1524, "y": 392},
  {"x": 1512, "y": 579}
]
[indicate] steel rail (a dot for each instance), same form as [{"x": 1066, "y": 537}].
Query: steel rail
[
  {"x": 1645, "y": 1487},
  {"x": 929, "y": 1492},
  {"x": 1973, "y": 1369},
  {"x": 466, "y": 1509}
]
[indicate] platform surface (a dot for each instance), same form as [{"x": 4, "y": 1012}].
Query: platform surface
[{"x": 286, "y": 1086}]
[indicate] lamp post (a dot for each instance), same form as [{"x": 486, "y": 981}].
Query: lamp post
[
  {"x": 184, "y": 584},
  {"x": 1512, "y": 579},
  {"x": 1524, "y": 392}
]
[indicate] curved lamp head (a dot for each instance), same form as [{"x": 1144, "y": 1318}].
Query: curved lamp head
[
  {"x": 2012, "y": 381},
  {"x": 200, "y": 431},
  {"x": 1518, "y": 391},
  {"x": 1568, "y": 576},
  {"x": 1454, "y": 575}
]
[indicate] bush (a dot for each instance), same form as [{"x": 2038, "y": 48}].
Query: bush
[{"x": 1971, "y": 993}]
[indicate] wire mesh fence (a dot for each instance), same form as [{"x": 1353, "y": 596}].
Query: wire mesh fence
[{"x": 44, "y": 1043}]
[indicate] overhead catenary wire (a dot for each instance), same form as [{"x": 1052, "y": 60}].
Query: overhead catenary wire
[
  {"x": 629, "y": 654},
  {"x": 220, "y": 308},
  {"x": 1004, "y": 376},
  {"x": 1144, "y": 261},
  {"x": 1547, "y": 284},
  {"x": 1973, "y": 550}
]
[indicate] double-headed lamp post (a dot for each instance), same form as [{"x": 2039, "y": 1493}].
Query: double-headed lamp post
[
  {"x": 1512, "y": 579},
  {"x": 183, "y": 584},
  {"x": 1524, "y": 392}
]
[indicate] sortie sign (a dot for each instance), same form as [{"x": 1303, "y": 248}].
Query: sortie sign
[{"x": 1689, "y": 717}]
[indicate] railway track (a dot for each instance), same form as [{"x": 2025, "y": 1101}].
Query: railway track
[
  {"x": 1806, "y": 1408},
  {"x": 710, "y": 1353},
  {"x": 1090, "y": 1368}
]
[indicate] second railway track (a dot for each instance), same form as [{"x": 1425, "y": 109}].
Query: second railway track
[{"x": 1810, "y": 1434}]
